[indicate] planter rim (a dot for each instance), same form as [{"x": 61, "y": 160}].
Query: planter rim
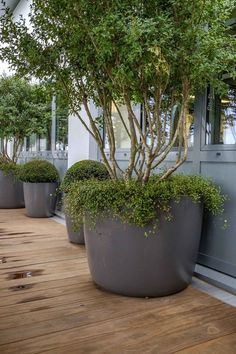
[
  {"x": 11, "y": 173},
  {"x": 38, "y": 182},
  {"x": 109, "y": 213}
]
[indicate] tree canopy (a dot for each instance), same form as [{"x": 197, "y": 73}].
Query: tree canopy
[
  {"x": 154, "y": 52},
  {"x": 24, "y": 109}
]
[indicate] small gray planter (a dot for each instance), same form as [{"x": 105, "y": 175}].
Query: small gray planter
[
  {"x": 11, "y": 192},
  {"x": 122, "y": 260},
  {"x": 40, "y": 199},
  {"x": 74, "y": 236}
]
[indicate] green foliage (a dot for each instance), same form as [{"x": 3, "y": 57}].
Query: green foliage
[
  {"x": 138, "y": 42},
  {"x": 38, "y": 171},
  {"x": 124, "y": 52},
  {"x": 136, "y": 203},
  {"x": 24, "y": 110},
  {"x": 9, "y": 168},
  {"x": 84, "y": 170}
]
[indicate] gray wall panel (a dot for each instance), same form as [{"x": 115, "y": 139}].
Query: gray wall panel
[{"x": 218, "y": 244}]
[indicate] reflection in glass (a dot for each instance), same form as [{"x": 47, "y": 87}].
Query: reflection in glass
[
  {"x": 169, "y": 122},
  {"x": 62, "y": 113},
  {"x": 190, "y": 122},
  {"x": 31, "y": 143},
  {"x": 61, "y": 126},
  {"x": 45, "y": 142},
  {"x": 121, "y": 137},
  {"x": 221, "y": 118}
]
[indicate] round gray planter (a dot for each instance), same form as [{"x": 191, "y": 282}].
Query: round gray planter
[
  {"x": 40, "y": 199},
  {"x": 122, "y": 260},
  {"x": 75, "y": 236},
  {"x": 11, "y": 192}
]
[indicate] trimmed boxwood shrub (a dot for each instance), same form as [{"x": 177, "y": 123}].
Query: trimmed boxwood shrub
[
  {"x": 38, "y": 171},
  {"x": 136, "y": 203},
  {"x": 9, "y": 167},
  {"x": 84, "y": 170}
]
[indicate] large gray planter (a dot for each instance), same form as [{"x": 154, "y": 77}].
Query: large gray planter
[
  {"x": 40, "y": 199},
  {"x": 11, "y": 192},
  {"x": 75, "y": 236},
  {"x": 122, "y": 260}
]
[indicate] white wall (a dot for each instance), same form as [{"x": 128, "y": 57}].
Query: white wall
[{"x": 81, "y": 145}]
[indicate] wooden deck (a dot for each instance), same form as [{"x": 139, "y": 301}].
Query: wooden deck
[{"x": 48, "y": 303}]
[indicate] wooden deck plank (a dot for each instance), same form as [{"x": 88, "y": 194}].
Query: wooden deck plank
[
  {"x": 114, "y": 318},
  {"x": 145, "y": 340},
  {"x": 22, "y": 289},
  {"x": 222, "y": 345},
  {"x": 46, "y": 268},
  {"x": 59, "y": 310},
  {"x": 132, "y": 333}
]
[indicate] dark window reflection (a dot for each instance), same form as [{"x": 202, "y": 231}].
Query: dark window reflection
[
  {"x": 221, "y": 118},
  {"x": 61, "y": 123}
]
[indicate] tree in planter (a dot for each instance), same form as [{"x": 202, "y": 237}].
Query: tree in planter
[
  {"x": 158, "y": 53},
  {"x": 80, "y": 171},
  {"x": 24, "y": 110},
  {"x": 41, "y": 180},
  {"x": 121, "y": 53}
]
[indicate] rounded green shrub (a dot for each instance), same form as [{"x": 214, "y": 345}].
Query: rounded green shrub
[
  {"x": 136, "y": 203},
  {"x": 9, "y": 167},
  {"x": 38, "y": 171},
  {"x": 84, "y": 170}
]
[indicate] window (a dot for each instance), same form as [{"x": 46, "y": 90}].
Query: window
[
  {"x": 55, "y": 134},
  {"x": 121, "y": 137},
  {"x": 189, "y": 119},
  {"x": 221, "y": 117},
  {"x": 61, "y": 125},
  {"x": 31, "y": 143},
  {"x": 169, "y": 122}
]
